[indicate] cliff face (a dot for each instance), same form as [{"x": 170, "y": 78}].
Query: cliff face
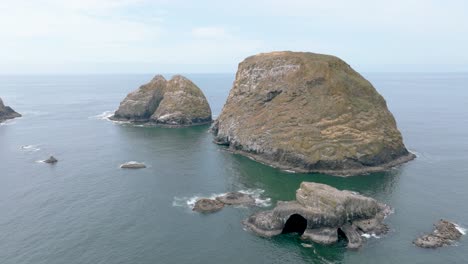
[
  {"x": 177, "y": 102},
  {"x": 309, "y": 113},
  {"x": 7, "y": 112}
]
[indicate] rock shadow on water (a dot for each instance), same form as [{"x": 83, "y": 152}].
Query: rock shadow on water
[{"x": 281, "y": 185}]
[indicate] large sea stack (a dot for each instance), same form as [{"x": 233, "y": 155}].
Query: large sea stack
[
  {"x": 323, "y": 214},
  {"x": 7, "y": 112},
  {"x": 309, "y": 112},
  {"x": 177, "y": 102}
]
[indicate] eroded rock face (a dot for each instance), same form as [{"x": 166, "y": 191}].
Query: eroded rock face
[
  {"x": 7, "y": 112},
  {"x": 177, "y": 102},
  {"x": 326, "y": 211},
  {"x": 445, "y": 233},
  {"x": 309, "y": 113}
]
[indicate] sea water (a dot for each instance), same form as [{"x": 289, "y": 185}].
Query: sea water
[{"x": 85, "y": 209}]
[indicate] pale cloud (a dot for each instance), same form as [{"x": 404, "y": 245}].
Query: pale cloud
[
  {"x": 52, "y": 34},
  {"x": 210, "y": 32}
]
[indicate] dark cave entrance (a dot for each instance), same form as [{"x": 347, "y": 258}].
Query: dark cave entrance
[
  {"x": 342, "y": 236},
  {"x": 295, "y": 224}
]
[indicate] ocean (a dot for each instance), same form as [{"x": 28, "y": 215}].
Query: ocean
[{"x": 85, "y": 209}]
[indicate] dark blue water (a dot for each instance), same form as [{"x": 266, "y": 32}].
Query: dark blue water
[{"x": 87, "y": 210}]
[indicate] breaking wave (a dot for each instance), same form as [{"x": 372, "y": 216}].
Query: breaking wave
[
  {"x": 103, "y": 116},
  {"x": 461, "y": 229},
  {"x": 30, "y": 148}
]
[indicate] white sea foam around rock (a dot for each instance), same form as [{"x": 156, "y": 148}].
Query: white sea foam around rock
[{"x": 189, "y": 202}]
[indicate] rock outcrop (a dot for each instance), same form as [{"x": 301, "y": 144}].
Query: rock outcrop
[
  {"x": 445, "y": 233},
  {"x": 51, "y": 160},
  {"x": 7, "y": 112},
  {"x": 321, "y": 214},
  {"x": 236, "y": 198},
  {"x": 133, "y": 165},
  {"x": 173, "y": 103},
  {"x": 309, "y": 113},
  {"x": 206, "y": 205}
]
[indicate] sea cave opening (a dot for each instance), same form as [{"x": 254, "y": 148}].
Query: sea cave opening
[
  {"x": 296, "y": 223},
  {"x": 342, "y": 236}
]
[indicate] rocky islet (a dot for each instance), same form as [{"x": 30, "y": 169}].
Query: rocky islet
[
  {"x": 7, "y": 112},
  {"x": 309, "y": 112},
  {"x": 174, "y": 103}
]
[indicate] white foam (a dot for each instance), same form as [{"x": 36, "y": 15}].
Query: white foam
[
  {"x": 289, "y": 171},
  {"x": 189, "y": 202},
  {"x": 417, "y": 154},
  {"x": 9, "y": 122},
  {"x": 460, "y": 229},
  {"x": 103, "y": 116},
  {"x": 370, "y": 235},
  {"x": 30, "y": 148},
  {"x": 257, "y": 195}
]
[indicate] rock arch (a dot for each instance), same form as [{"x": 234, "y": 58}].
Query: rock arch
[{"x": 296, "y": 223}]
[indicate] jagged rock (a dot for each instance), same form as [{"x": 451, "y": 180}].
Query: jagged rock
[
  {"x": 236, "y": 198},
  {"x": 320, "y": 213},
  {"x": 445, "y": 233},
  {"x": 133, "y": 165},
  {"x": 177, "y": 102},
  {"x": 51, "y": 160},
  {"x": 205, "y": 205},
  {"x": 7, "y": 112},
  {"x": 309, "y": 112}
]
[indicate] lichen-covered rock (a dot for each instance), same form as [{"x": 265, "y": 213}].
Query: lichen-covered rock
[
  {"x": 205, "y": 205},
  {"x": 177, "y": 102},
  {"x": 320, "y": 212},
  {"x": 309, "y": 113},
  {"x": 7, "y": 112},
  {"x": 445, "y": 233}
]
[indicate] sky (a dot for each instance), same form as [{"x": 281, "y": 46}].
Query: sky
[{"x": 175, "y": 36}]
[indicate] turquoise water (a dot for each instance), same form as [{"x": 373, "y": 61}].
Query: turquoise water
[{"x": 87, "y": 210}]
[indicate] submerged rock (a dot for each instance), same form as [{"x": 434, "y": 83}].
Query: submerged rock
[
  {"x": 309, "y": 112},
  {"x": 205, "y": 205},
  {"x": 51, "y": 160},
  {"x": 445, "y": 233},
  {"x": 177, "y": 102},
  {"x": 133, "y": 165},
  {"x": 236, "y": 198},
  {"x": 320, "y": 213},
  {"x": 7, "y": 112}
]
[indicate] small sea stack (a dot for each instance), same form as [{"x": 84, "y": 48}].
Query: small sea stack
[
  {"x": 445, "y": 233},
  {"x": 322, "y": 214},
  {"x": 7, "y": 112},
  {"x": 174, "y": 103},
  {"x": 51, "y": 160},
  {"x": 308, "y": 112}
]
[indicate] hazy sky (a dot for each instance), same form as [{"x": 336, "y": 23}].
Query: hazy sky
[{"x": 151, "y": 36}]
